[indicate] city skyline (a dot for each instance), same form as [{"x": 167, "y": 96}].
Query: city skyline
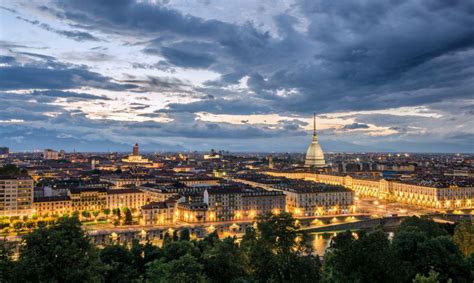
[{"x": 247, "y": 76}]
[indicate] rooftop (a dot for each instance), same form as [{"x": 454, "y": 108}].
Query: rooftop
[
  {"x": 123, "y": 191},
  {"x": 51, "y": 198}
]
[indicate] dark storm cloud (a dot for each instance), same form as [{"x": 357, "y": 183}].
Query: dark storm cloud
[
  {"x": 354, "y": 55},
  {"x": 35, "y": 106},
  {"x": 187, "y": 58},
  {"x": 220, "y": 106},
  {"x": 158, "y": 84},
  {"x": 355, "y": 126},
  {"x": 48, "y": 73},
  {"x": 72, "y": 34},
  {"x": 68, "y": 94},
  {"x": 338, "y": 56}
]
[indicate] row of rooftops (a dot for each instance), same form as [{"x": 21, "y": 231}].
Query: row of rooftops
[
  {"x": 19, "y": 177},
  {"x": 293, "y": 185},
  {"x": 88, "y": 190},
  {"x": 429, "y": 180}
]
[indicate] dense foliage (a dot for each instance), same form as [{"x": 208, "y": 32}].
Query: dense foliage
[{"x": 275, "y": 251}]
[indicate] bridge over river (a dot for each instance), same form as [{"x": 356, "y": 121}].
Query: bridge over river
[{"x": 389, "y": 223}]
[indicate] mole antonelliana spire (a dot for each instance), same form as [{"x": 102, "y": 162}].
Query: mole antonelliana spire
[{"x": 314, "y": 154}]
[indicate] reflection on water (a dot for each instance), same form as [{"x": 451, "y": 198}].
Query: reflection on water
[{"x": 321, "y": 242}]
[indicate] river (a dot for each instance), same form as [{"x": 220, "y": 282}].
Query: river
[{"x": 321, "y": 242}]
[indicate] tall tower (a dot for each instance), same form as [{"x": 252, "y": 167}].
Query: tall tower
[
  {"x": 315, "y": 154},
  {"x": 270, "y": 162},
  {"x": 135, "y": 150}
]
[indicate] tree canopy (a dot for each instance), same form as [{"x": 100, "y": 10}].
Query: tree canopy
[{"x": 274, "y": 251}]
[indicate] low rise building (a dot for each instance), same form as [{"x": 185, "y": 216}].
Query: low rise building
[
  {"x": 130, "y": 198},
  {"x": 241, "y": 203},
  {"x": 159, "y": 213},
  {"x": 123, "y": 180},
  {"x": 192, "y": 212},
  {"x": 88, "y": 199},
  {"x": 51, "y": 205}
]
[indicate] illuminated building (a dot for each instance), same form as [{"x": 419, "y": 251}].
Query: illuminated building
[
  {"x": 49, "y": 154},
  {"x": 16, "y": 195},
  {"x": 52, "y": 205},
  {"x": 318, "y": 200},
  {"x": 183, "y": 169},
  {"x": 304, "y": 198},
  {"x": 262, "y": 202},
  {"x": 439, "y": 196},
  {"x": 200, "y": 181},
  {"x": 315, "y": 154},
  {"x": 234, "y": 203},
  {"x": 4, "y": 152},
  {"x": 211, "y": 156},
  {"x": 92, "y": 199},
  {"x": 131, "y": 198},
  {"x": 193, "y": 212},
  {"x": 88, "y": 199},
  {"x": 135, "y": 157},
  {"x": 159, "y": 213},
  {"x": 122, "y": 180}
]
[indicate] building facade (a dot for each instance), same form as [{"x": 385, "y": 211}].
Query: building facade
[
  {"x": 130, "y": 198},
  {"x": 57, "y": 205},
  {"x": 16, "y": 196},
  {"x": 90, "y": 199},
  {"x": 159, "y": 213},
  {"x": 447, "y": 197}
]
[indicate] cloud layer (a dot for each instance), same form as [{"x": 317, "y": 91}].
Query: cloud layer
[{"x": 394, "y": 75}]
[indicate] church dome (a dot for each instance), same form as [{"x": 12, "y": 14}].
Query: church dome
[{"x": 315, "y": 154}]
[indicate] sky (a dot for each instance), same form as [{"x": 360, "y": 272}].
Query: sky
[{"x": 180, "y": 75}]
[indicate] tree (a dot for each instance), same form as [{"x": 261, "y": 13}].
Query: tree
[
  {"x": 366, "y": 259},
  {"x": 7, "y": 265},
  {"x": 95, "y": 213},
  {"x": 166, "y": 239},
  {"x": 226, "y": 262},
  {"x": 106, "y": 211},
  {"x": 175, "y": 235},
  {"x": 418, "y": 253},
  {"x": 176, "y": 249},
  {"x": 470, "y": 264},
  {"x": 279, "y": 231},
  {"x": 277, "y": 251},
  {"x": 61, "y": 252},
  {"x": 86, "y": 214},
  {"x": 75, "y": 214},
  {"x": 17, "y": 225},
  {"x": 464, "y": 237},
  {"x": 143, "y": 254},
  {"x": 184, "y": 235},
  {"x": 427, "y": 226},
  {"x": 185, "y": 269},
  {"x": 431, "y": 278},
  {"x": 119, "y": 264},
  {"x": 116, "y": 211},
  {"x": 128, "y": 217}
]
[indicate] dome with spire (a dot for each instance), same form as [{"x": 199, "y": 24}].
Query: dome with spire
[{"x": 315, "y": 154}]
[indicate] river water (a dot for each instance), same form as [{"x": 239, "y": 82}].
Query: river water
[{"x": 321, "y": 242}]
